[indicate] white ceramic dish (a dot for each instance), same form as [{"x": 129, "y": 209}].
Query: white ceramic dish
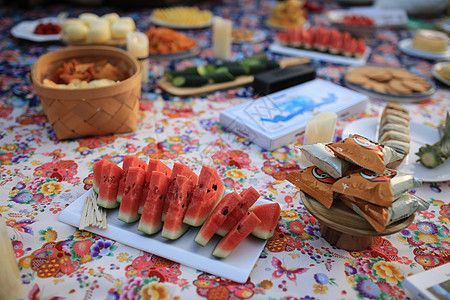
[
  {"x": 25, "y": 30},
  {"x": 338, "y": 59},
  {"x": 406, "y": 47},
  {"x": 237, "y": 266},
  {"x": 435, "y": 73},
  {"x": 420, "y": 135},
  {"x": 176, "y": 26}
]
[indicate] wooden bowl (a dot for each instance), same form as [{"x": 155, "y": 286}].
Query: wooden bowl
[
  {"x": 343, "y": 228},
  {"x": 90, "y": 111}
]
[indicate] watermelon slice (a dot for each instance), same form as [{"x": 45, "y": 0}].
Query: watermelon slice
[
  {"x": 177, "y": 169},
  {"x": 129, "y": 161},
  {"x": 322, "y": 38},
  {"x": 236, "y": 235},
  {"x": 151, "y": 222},
  {"x": 107, "y": 190},
  {"x": 248, "y": 198},
  {"x": 128, "y": 211},
  {"x": 97, "y": 174},
  {"x": 205, "y": 197},
  {"x": 153, "y": 165},
  {"x": 173, "y": 226},
  {"x": 335, "y": 41},
  {"x": 218, "y": 216},
  {"x": 268, "y": 214},
  {"x": 360, "y": 48}
]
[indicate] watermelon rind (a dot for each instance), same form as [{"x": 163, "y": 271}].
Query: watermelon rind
[
  {"x": 149, "y": 229},
  {"x": 173, "y": 235},
  {"x": 127, "y": 218}
]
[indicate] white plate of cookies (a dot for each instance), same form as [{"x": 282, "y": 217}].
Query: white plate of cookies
[{"x": 388, "y": 83}]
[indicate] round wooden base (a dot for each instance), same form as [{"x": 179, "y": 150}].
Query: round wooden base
[{"x": 343, "y": 228}]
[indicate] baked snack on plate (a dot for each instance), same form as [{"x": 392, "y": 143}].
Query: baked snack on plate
[
  {"x": 389, "y": 83},
  {"x": 430, "y": 41},
  {"x": 393, "y": 130}
]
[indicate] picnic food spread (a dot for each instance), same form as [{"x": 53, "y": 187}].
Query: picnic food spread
[{"x": 133, "y": 170}]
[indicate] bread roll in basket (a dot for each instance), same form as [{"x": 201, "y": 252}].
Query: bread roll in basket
[{"x": 93, "y": 111}]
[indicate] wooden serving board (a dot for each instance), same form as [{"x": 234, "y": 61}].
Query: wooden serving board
[
  {"x": 167, "y": 86},
  {"x": 344, "y": 228}
]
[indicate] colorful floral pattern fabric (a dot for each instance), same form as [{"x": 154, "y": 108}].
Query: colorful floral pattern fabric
[{"x": 40, "y": 176}]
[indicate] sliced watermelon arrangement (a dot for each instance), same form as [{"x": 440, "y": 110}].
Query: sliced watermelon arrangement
[
  {"x": 171, "y": 201},
  {"x": 322, "y": 39}
]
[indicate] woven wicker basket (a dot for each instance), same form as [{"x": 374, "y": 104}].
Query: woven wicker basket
[{"x": 90, "y": 111}]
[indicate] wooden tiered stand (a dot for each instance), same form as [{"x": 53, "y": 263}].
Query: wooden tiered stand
[{"x": 343, "y": 228}]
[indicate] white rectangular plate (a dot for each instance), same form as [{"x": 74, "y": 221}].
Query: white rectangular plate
[
  {"x": 237, "y": 266},
  {"x": 337, "y": 59}
]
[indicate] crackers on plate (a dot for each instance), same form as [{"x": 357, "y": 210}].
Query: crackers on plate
[{"x": 388, "y": 80}]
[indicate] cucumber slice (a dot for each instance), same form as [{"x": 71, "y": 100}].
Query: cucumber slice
[
  {"x": 271, "y": 64},
  {"x": 170, "y": 75},
  {"x": 201, "y": 70},
  {"x": 218, "y": 77},
  {"x": 190, "y": 81},
  {"x": 210, "y": 68},
  {"x": 234, "y": 70},
  {"x": 255, "y": 69}
]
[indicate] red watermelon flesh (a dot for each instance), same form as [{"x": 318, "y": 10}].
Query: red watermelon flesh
[
  {"x": 177, "y": 169},
  {"x": 129, "y": 161},
  {"x": 107, "y": 190},
  {"x": 151, "y": 222},
  {"x": 217, "y": 217},
  {"x": 173, "y": 226},
  {"x": 153, "y": 165},
  {"x": 205, "y": 197},
  {"x": 128, "y": 211},
  {"x": 97, "y": 174},
  {"x": 248, "y": 198},
  {"x": 236, "y": 235},
  {"x": 268, "y": 214}
]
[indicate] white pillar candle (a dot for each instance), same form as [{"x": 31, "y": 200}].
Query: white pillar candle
[
  {"x": 319, "y": 129},
  {"x": 222, "y": 38},
  {"x": 10, "y": 282},
  {"x": 137, "y": 45}
]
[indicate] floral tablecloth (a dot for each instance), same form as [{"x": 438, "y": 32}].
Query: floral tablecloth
[{"x": 41, "y": 175}]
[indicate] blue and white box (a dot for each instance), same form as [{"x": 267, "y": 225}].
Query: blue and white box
[{"x": 280, "y": 118}]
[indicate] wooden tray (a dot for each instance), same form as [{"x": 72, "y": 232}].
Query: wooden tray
[
  {"x": 345, "y": 229},
  {"x": 239, "y": 81}
]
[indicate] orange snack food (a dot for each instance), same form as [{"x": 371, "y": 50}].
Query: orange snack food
[
  {"x": 365, "y": 153},
  {"x": 73, "y": 69},
  {"x": 163, "y": 40},
  {"x": 314, "y": 182},
  {"x": 380, "y": 217},
  {"x": 379, "y": 189}
]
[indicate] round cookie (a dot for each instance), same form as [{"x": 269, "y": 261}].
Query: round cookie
[
  {"x": 398, "y": 87},
  {"x": 356, "y": 78},
  {"x": 416, "y": 86}
]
